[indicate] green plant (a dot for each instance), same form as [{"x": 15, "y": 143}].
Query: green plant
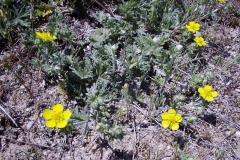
[
  {"x": 181, "y": 154},
  {"x": 14, "y": 19},
  {"x": 144, "y": 46}
]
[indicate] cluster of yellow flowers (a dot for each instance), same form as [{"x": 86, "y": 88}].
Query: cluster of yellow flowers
[
  {"x": 193, "y": 27},
  {"x": 59, "y": 118},
  {"x": 171, "y": 119}
]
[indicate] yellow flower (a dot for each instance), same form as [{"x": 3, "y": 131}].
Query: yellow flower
[
  {"x": 221, "y": 1},
  {"x": 171, "y": 119},
  {"x": 193, "y": 26},
  {"x": 56, "y": 117},
  {"x": 200, "y": 41},
  {"x": 207, "y": 93},
  {"x": 45, "y": 36}
]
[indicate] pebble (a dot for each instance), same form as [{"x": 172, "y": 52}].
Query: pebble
[
  {"x": 238, "y": 90},
  {"x": 166, "y": 158},
  {"x": 228, "y": 133},
  {"x": 237, "y": 134},
  {"x": 29, "y": 125},
  {"x": 152, "y": 128}
]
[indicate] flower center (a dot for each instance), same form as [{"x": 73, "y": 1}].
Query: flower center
[
  {"x": 57, "y": 116},
  {"x": 171, "y": 119},
  {"x": 207, "y": 93}
]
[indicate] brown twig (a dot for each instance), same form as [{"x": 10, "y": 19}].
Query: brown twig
[{"x": 27, "y": 143}]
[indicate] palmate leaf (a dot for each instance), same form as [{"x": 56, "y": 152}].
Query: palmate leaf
[
  {"x": 99, "y": 36},
  {"x": 83, "y": 70},
  {"x": 82, "y": 73},
  {"x": 81, "y": 118},
  {"x": 20, "y": 17}
]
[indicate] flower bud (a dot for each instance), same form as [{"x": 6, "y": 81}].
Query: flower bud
[{"x": 126, "y": 86}]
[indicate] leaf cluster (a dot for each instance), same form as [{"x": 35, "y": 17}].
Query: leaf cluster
[
  {"x": 137, "y": 47},
  {"x": 15, "y": 17}
]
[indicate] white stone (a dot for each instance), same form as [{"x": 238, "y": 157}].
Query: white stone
[
  {"x": 237, "y": 134},
  {"x": 179, "y": 47},
  {"x": 156, "y": 39}
]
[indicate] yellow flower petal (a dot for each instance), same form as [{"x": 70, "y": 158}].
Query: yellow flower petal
[
  {"x": 174, "y": 126},
  {"x": 38, "y": 34},
  {"x": 165, "y": 116},
  {"x": 209, "y": 98},
  {"x": 165, "y": 123},
  {"x": 178, "y": 118},
  {"x": 200, "y": 90},
  {"x": 50, "y": 123},
  {"x": 203, "y": 43},
  {"x": 214, "y": 93},
  {"x": 191, "y": 23},
  {"x": 197, "y": 25},
  {"x": 67, "y": 114},
  {"x": 188, "y": 27},
  {"x": 47, "y": 114},
  {"x": 172, "y": 112},
  {"x": 208, "y": 88},
  {"x": 57, "y": 108},
  {"x": 62, "y": 124}
]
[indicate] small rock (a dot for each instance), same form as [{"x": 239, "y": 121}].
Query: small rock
[
  {"x": 227, "y": 133},
  {"x": 29, "y": 125},
  {"x": 22, "y": 87},
  {"x": 238, "y": 90},
  {"x": 152, "y": 128},
  {"x": 45, "y": 153},
  {"x": 233, "y": 53},
  {"x": 166, "y": 158},
  {"x": 179, "y": 47},
  {"x": 237, "y": 134}
]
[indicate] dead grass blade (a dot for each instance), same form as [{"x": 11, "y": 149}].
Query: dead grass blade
[{"x": 4, "y": 111}]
